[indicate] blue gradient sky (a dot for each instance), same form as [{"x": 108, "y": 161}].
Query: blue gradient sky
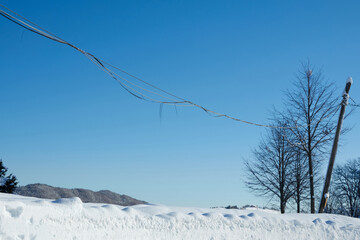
[{"x": 65, "y": 123}]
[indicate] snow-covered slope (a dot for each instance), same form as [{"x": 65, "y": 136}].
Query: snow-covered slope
[{"x": 32, "y": 218}]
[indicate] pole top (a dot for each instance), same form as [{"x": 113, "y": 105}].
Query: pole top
[{"x": 349, "y": 80}]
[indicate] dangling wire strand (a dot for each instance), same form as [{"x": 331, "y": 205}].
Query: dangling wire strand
[
  {"x": 354, "y": 104},
  {"x": 135, "y": 89}
]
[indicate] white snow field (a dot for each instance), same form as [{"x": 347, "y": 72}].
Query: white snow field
[{"x": 33, "y": 218}]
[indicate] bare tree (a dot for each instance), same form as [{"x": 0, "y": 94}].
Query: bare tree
[
  {"x": 270, "y": 173},
  {"x": 310, "y": 108},
  {"x": 346, "y": 183}
]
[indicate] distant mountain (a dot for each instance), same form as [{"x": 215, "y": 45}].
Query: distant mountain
[{"x": 104, "y": 196}]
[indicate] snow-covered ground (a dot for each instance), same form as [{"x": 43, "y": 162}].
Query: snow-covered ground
[{"x": 32, "y": 218}]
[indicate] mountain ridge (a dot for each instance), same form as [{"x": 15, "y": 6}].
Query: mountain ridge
[{"x": 40, "y": 190}]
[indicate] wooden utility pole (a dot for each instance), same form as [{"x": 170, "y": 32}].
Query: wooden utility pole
[{"x": 325, "y": 194}]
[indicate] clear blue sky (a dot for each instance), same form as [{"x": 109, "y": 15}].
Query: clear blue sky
[{"x": 65, "y": 123}]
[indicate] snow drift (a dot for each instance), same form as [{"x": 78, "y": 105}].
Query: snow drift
[{"x": 69, "y": 218}]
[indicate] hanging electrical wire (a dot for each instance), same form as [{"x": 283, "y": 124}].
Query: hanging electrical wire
[
  {"x": 354, "y": 104},
  {"x": 155, "y": 95}
]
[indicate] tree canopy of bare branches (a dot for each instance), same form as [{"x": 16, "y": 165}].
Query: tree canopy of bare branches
[
  {"x": 310, "y": 109},
  {"x": 269, "y": 173}
]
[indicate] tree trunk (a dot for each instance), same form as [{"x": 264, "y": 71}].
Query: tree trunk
[
  {"x": 309, "y": 150},
  {"x": 312, "y": 197},
  {"x": 282, "y": 199},
  {"x": 298, "y": 196},
  {"x": 282, "y": 206}
]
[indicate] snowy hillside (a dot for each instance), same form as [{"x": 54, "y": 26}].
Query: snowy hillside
[
  {"x": 32, "y": 218},
  {"x": 39, "y": 190}
]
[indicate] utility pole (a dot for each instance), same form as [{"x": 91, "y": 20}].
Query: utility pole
[{"x": 325, "y": 194}]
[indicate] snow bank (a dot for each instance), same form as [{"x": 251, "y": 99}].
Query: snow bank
[{"x": 33, "y": 218}]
